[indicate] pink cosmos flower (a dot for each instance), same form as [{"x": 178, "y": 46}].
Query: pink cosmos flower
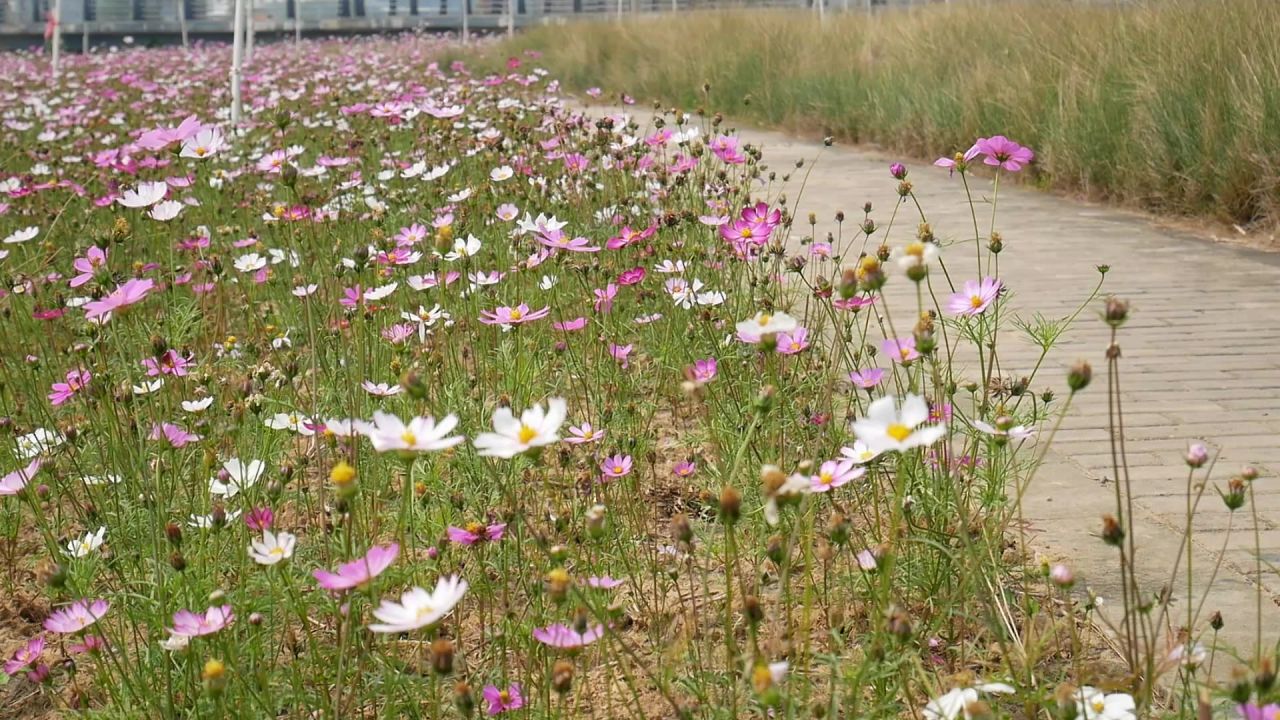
[
  {"x": 25, "y": 656},
  {"x": 570, "y": 325},
  {"x": 93, "y": 259},
  {"x": 169, "y": 363},
  {"x": 1004, "y": 153},
  {"x": 77, "y": 616},
  {"x": 604, "y": 582},
  {"x": 702, "y": 371},
  {"x": 564, "y": 637},
  {"x": 791, "y": 343},
  {"x": 902, "y": 350},
  {"x": 617, "y": 466},
  {"x": 583, "y": 433},
  {"x": 867, "y": 379},
  {"x": 854, "y": 303},
  {"x": 559, "y": 240},
  {"x": 14, "y": 482},
  {"x": 975, "y": 298},
  {"x": 475, "y": 532},
  {"x": 398, "y": 333},
  {"x": 191, "y": 625},
  {"x": 950, "y": 163},
  {"x": 632, "y": 276},
  {"x": 123, "y": 296},
  {"x": 500, "y": 701},
  {"x": 684, "y": 469},
  {"x": 833, "y": 474},
  {"x": 1250, "y": 711},
  {"x": 87, "y": 644},
  {"x": 64, "y": 391},
  {"x": 621, "y": 353},
  {"x": 173, "y": 434},
  {"x": 604, "y": 298},
  {"x": 517, "y": 315},
  {"x": 358, "y": 572}
]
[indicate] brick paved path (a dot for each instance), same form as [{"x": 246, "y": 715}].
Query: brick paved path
[{"x": 1201, "y": 360}]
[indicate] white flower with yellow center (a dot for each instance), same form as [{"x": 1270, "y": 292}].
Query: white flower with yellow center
[
  {"x": 420, "y": 434},
  {"x": 890, "y": 427},
  {"x": 1093, "y": 704},
  {"x": 87, "y": 544},
  {"x": 535, "y": 428},
  {"x": 272, "y": 548},
  {"x": 239, "y": 476},
  {"x": 418, "y": 608},
  {"x": 296, "y": 422},
  {"x": 916, "y": 255},
  {"x": 767, "y": 323}
]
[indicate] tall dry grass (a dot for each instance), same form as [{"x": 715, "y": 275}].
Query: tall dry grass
[{"x": 1174, "y": 106}]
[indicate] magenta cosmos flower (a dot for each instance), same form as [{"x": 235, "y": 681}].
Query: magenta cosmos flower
[
  {"x": 358, "y": 572},
  {"x": 86, "y": 266},
  {"x": 25, "y": 656},
  {"x": 794, "y": 342},
  {"x": 64, "y": 391},
  {"x": 632, "y": 276},
  {"x": 173, "y": 434},
  {"x": 500, "y": 701},
  {"x": 564, "y": 637},
  {"x": 123, "y": 296},
  {"x": 684, "y": 469},
  {"x": 702, "y": 371},
  {"x": 617, "y": 466},
  {"x": 1250, "y": 711},
  {"x": 77, "y": 616},
  {"x": 1002, "y": 152},
  {"x": 14, "y": 482},
  {"x": 517, "y": 315},
  {"x": 189, "y": 624},
  {"x": 975, "y": 298},
  {"x": 476, "y": 532},
  {"x": 168, "y": 363}
]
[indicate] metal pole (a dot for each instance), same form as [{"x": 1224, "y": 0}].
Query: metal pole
[
  {"x": 511, "y": 18},
  {"x": 84, "y": 38},
  {"x": 297, "y": 21},
  {"x": 822, "y": 12},
  {"x": 182, "y": 21},
  {"x": 56, "y": 38},
  {"x": 250, "y": 32},
  {"x": 237, "y": 59},
  {"x": 466, "y": 31}
]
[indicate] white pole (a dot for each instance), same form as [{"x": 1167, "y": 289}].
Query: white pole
[
  {"x": 182, "y": 21},
  {"x": 297, "y": 21},
  {"x": 56, "y": 38},
  {"x": 619, "y": 11},
  {"x": 250, "y": 31},
  {"x": 822, "y": 12},
  {"x": 511, "y": 18},
  {"x": 466, "y": 31},
  {"x": 237, "y": 59}
]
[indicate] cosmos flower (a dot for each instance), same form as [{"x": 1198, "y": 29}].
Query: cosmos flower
[
  {"x": 145, "y": 195},
  {"x": 616, "y": 466},
  {"x": 420, "y": 434},
  {"x": 834, "y": 473},
  {"x": 358, "y": 572},
  {"x": 25, "y": 656},
  {"x": 867, "y": 379},
  {"x": 564, "y": 637},
  {"x": 764, "y": 323},
  {"x": 131, "y": 292},
  {"x": 952, "y": 704},
  {"x": 902, "y": 350},
  {"x": 500, "y": 701},
  {"x": 191, "y": 625},
  {"x": 583, "y": 433},
  {"x": 999, "y": 151},
  {"x": 508, "y": 316},
  {"x": 76, "y": 380},
  {"x": 272, "y": 548},
  {"x": 418, "y": 608},
  {"x": 86, "y": 545},
  {"x": 475, "y": 532},
  {"x": 975, "y": 298},
  {"x": 890, "y": 427},
  {"x": 535, "y": 428},
  {"x": 77, "y": 616},
  {"x": 236, "y": 476}
]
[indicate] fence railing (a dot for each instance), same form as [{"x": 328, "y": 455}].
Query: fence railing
[{"x": 30, "y": 17}]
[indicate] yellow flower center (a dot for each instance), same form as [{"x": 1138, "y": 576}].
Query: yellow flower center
[
  {"x": 526, "y": 434},
  {"x": 898, "y": 431},
  {"x": 475, "y": 528},
  {"x": 975, "y": 301},
  {"x": 826, "y": 478},
  {"x": 504, "y": 696},
  {"x": 905, "y": 352},
  {"x": 516, "y": 314},
  {"x": 276, "y": 552},
  {"x": 915, "y": 249},
  {"x": 617, "y": 469},
  {"x": 764, "y": 319},
  {"x": 409, "y": 438}
]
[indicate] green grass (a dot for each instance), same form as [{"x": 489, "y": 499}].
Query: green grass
[{"x": 1171, "y": 106}]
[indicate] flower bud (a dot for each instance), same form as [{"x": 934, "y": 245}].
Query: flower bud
[
  {"x": 1115, "y": 311},
  {"x": 1112, "y": 532},
  {"x": 1234, "y": 497},
  {"x": 557, "y": 584},
  {"x": 442, "y": 656},
  {"x": 1062, "y": 576},
  {"x": 464, "y": 699},
  {"x": 898, "y": 171},
  {"x": 214, "y": 676},
  {"x": 562, "y": 676},
  {"x": 730, "y": 505},
  {"x": 1079, "y": 375},
  {"x": 1197, "y": 454}
]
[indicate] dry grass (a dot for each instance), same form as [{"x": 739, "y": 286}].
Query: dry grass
[{"x": 1172, "y": 106}]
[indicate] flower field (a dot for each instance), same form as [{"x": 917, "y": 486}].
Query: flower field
[{"x": 425, "y": 392}]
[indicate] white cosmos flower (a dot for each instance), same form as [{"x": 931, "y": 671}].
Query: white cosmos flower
[
  {"x": 251, "y": 262},
  {"x": 21, "y": 236},
  {"x": 87, "y": 544},
  {"x": 420, "y": 434},
  {"x": 888, "y": 427},
  {"x": 418, "y": 608},
  {"x": 166, "y": 210},
  {"x": 204, "y": 522},
  {"x": 378, "y": 293},
  {"x": 952, "y": 704},
  {"x": 197, "y": 406},
  {"x": 175, "y": 642},
  {"x": 535, "y": 428},
  {"x": 95, "y": 480},
  {"x": 304, "y": 290},
  {"x": 711, "y": 297},
  {"x": 38, "y": 442},
  {"x": 764, "y": 323},
  {"x": 1094, "y": 704},
  {"x": 916, "y": 255},
  {"x": 340, "y": 427},
  {"x": 464, "y": 248},
  {"x": 290, "y": 421},
  {"x": 381, "y": 389},
  {"x": 272, "y": 548},
  {"x": 146, "y": 387},
  {"x": 859, "y": 453},
  {"x": 499, "y": 174},
  {"x": 793, "y": 487},
  {"x": 145, "y": 195},
  {"x": 547, "y": 282},
  {"x": 240, "y": 476},
  {"x": 204, "y": 144}
]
